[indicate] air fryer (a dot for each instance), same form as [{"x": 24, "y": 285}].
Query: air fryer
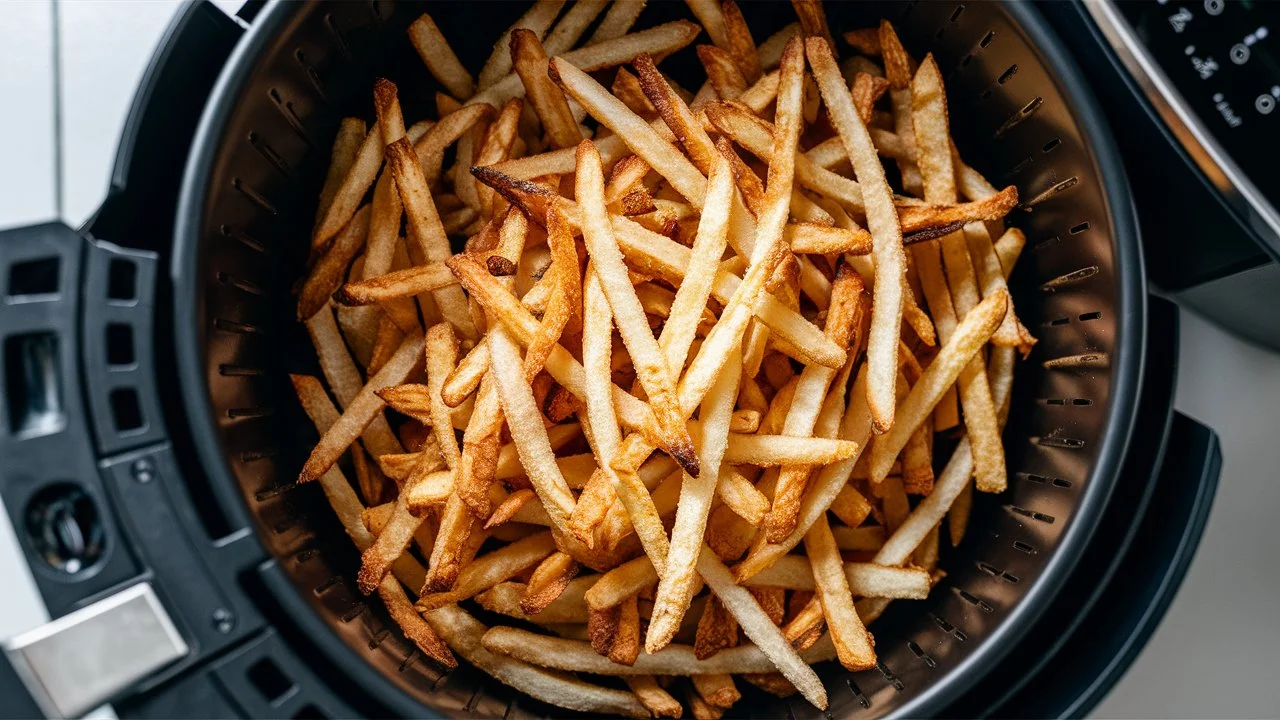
[{"x": 186, "y": 438}]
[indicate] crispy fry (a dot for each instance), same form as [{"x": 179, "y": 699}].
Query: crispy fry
[
  {"x": 617, "y": 21},
  {"x": 328, "y": 272},
  {"x": 864, "y": 40},
  {"x": 717, "y": 689},
  {"x": 651, "y": 366},
  {"x": 813, "y": 19},
  {"x": 346, "y": 143},
  {"x": 572, "y": 25},
  {"x": 538, "y": 20},
  {"x": 882, "y": 222},
  {"x": 657, "y": 701},
  {"x": 438, "y": 56},
  {"x": 853, "y": 642},
  {"x": 549, "y": 580},
  {"x": 489, "y": 570},
  {"x": 717, "y": 630},
  {"x": 547, "y": 99},
  {"x": 738, "y": 42},
  {"x": 722, "y": 71},
  {"x": 441, "y": 357},
  {"x": 741, "y": 496},
  {"x": 626, "y": 639},
  {"x": 346, "y": 199}
]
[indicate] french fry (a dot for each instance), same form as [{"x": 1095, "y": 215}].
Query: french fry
[
  {"x": 617, "y": 21},
  {"x": 346, "y": 143},
  {"x": 717, "y": 630},
  {"x": 738, "y": 42},
  {"x": 854, "y": 645},
  {"x": 346, "y": 199},
  {"x": 577, "y": 656},
  {"x": 505, "y": 598},
  {"x": 573, "y": 25},
  {"x": 547, "y": 100},
  {"x": 813, "y": 19},
  {"x": 626, "y": 639},
  {"x": 865, "y": 40},
  {"x": 441, "y": 357},
  {"x": 464, "y": 633},
  {"x": 549, "y": 580},
  {"x": 657, "y": 701},
  {"x": 717, "y": 689},
  {"x": 361, "y": 411},
  {"x": 722, "y": 71},
  {"x": 343, "y": 376},
  {"x": 438, "y": 56},
  {"x": 882, "y": 222},
  {"x": 651, "y": 366},
  {"x": 676, "y": 588},
  {"x": 658, "y": 41},
  {"x": 489, "y": 570},
  {"x": 426, "y": 229},
  {"x": 851, "y": 507},
  {"x": 537, "y": 19},
  {"x": 867, "y": 537},
  {"x": 328, "y": 272},
  {"x": 969, "y": 337},
  {"x": 396, "y": 284},
  {"x": 741, "y": 496}
]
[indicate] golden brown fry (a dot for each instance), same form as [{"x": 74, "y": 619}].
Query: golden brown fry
[
  {"x": 527, "y": 430},
  {"x": 617, "y": 21},
  {"x": 722, "y": 71},
  {"x": 346, "y": 143},
  {"x": 572, "y": 25},
  {"x": 657, "y": 701},
  {"x": 415, "y": 628},
  {"x": 537, "y": 19},
  {"x": 489, "y": 570},
  {"x": 327, "y": 274},
  {"x": 441, "y": 357},
  {"x": 626, "y": 640},
  {"x": 396, "y": 284},
  {"x": 626, "y": 88},
  {"x": 739, "y": 43},
  {"x": 496, "y": 147},
  {"x": 427, "y": 231},
  {"x": 867, "y": 90},
  {"x": 864, "y": 40},
  {"x": 438, "y": 56},
  {"x": 813, "y": 19},
  {"x": 854, "y": 644},
  {"x": 548, "y": 581},
  {"x": 851, "y": 506},
  {"x": 361, "y": 411},
  {"x": 882, "y": 222},
  {"x": 651, "y": 366},
  {"x": 547, "y": 99},
  {"x": 346, "y": 199},
  {"x": 717, "y": 630}
]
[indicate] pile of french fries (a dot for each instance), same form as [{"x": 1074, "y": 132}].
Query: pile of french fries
[{"x": 807, "y": 286}]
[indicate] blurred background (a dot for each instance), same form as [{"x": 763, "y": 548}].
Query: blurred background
[{"x": 68, "y": 71}]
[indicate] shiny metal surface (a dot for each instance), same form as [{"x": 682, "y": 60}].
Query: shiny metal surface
[
  {"x": 79, "y": 661},
  {"x": 1261, "y": 215}
]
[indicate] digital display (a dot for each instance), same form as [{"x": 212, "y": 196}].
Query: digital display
[{"x": 1223, "y": 56}]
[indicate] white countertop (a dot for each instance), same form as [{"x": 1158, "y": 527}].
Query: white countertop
[{"x": 1217, "y": 651}]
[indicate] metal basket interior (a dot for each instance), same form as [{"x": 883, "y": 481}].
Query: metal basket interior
[{"x": 304, "y": 66}]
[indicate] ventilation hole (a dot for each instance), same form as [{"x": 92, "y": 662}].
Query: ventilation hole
[
  {"x": 269, "y": 680},
  {"x": 986, "y": 39},
  {"x": 1081, "y": 402},
  {"x": 122, "y": 280},
  {"x": 378, "y": 637},
  {"x": 889, "y": 676},
  {"x": 249, "y": 456},
  {"x": 324, "y": 587},
  {"x": 254, "y": 196},
  {"x": 305, "y": 555},
  {"x": 270, "y": 154},
  {"x": 988, "y": 569},
  {"x": 126, "y": 411},
  {"x": 955, "y": 14},
  {"x": 1074, "y": 276},
  {"x": 239, "y": 283},
  {"x": 1095, "y": 315},
  {"x": 311, "y": 73},
  {"x": 338, "y": 39},
  {"x": 1054, "y": 190},
  {"x": 274, "y": 491},
  {"x": 964, "y": 61},
  {"x": 310, "y": 712},
  {"x": 985, "y": 94},
  {"x": 1058, "y": 442},
  {"x": 1004, "y": 76},
  {"x": 1057, "y": 321},
  {"x": 1046, "y": 244},
  {"x": 1048, "y": 519},
  {"x": 249, "y": 242},
  {"x": 1045, "y": 480},
  {"x": 1087, "y": 360},
  {"x": 1051, "y": 145},
  {"x": 1027, "y": 111},
  {"x": 475, "y": 698},
  {"x": 233, "y": 326},
  {"x": 939, "y": 33},
  {"x": 1022, "y": 164},
  {"x": 409, "y": 660},
  {"x": 982, "y": 605},
  {"x": 34, "y": 279},
  {"x": 920, "y": 653},
  {"x": 227, "y": 370},
  {"x": 1077, "y": 229},
  {"x": 356, "y": 611},
  {"x": 1023, "y": 547},
  {"x": 960, "y": 635},
  {"x": 120, "y": 352},
  {"x": 290, "y": 116},
  {"x": 250, "y": 412},
  {"x": 1054, "y": 401},
  {"x": 945, "y": 626},
  {"x": 512, "y": 706}
]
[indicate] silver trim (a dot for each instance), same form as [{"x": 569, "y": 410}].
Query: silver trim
[
  {"x": 79, "y": 661},
  {"x": 1213, "y": 160}
]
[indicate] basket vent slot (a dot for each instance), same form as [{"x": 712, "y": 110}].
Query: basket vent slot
[
  {"x": 34, "y": 279},
  {"x": 120, "y": 352}
]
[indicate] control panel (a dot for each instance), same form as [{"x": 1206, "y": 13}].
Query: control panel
[{"x": 1223, "y": 57}]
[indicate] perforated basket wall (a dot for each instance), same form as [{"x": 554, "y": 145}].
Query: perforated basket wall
[{"x": 1020, "y": 117}]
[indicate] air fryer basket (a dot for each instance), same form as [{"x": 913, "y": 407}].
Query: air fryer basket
[{"x": 1020, "y": 115}]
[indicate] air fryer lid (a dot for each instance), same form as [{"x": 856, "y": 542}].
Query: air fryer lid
[{"x": 1020, "y": 116}]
